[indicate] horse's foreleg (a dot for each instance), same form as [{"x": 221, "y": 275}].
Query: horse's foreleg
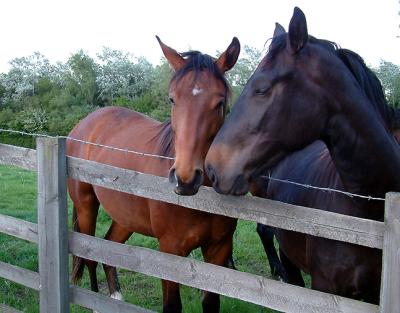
[
  {"x": 118, "y": 234},
  {"x": 218, "y": 254},
  {"x": 266, "y": 234},
  {"x": 171, "y": 294}
]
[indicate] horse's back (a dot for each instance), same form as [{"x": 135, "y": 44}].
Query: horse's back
[
  {"x": 123, "y": 129},
  {"x": 112, "y": 126},
  {"x": 314, "y": 166}
]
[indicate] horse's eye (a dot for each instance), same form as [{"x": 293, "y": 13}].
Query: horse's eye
[
  {"x": 262, "y": 92},
  {"x": 171, "y": 100}
]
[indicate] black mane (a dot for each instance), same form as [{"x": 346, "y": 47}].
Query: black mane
[
  {"x": 196, "y": 62},
  {"x": 371, "y": 86},
  {"x": 366, "y": 78}
]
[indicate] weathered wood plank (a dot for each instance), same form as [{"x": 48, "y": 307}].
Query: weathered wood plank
[
  {"x": 244, "y": 286},
  {"x": 390, "y": 286},
  {"x": 7, "y": 309},
  {"x": 100, "y": 303},
  {"x": 18, "y": 156},
  {"x": 290, "y": 217},
  {"x": 18, "y": 228},
  {"x": 52, "y": 225},
  {"x": 19, "y": 275}
]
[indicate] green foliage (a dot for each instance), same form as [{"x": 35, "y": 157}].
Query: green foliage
[
  {"x": 81, "y": 80},
  {"x": 389, "y": 74},
  {"x": 40, "y": 98},
  {"x": 241, "y": 72},
  {"x": 36, "y": 96}
]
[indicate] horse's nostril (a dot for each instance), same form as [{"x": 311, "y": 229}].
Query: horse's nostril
[
  {"x": 211, "y": 174},
  {"x": 198, "y": 178},
  {"x": 172, "y": 176}
]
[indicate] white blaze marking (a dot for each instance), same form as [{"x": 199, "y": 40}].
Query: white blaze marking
[
  {"x": 196, "y": 91},
  {"x": 117, "y": 295}
]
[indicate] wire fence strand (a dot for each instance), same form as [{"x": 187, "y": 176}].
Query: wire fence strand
[
  {"x": 88, "y": 143},
  {"x": 324, "y": 189},
  {"x": 269, "y": 177}
]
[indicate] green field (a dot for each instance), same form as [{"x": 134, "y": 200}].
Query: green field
[{"x": 18, "y": 199}]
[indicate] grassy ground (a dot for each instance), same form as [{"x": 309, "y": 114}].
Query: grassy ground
[{"x": 18, "y": 199}]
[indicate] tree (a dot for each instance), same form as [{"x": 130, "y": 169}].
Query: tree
[
  {"x": 123, "y": 75},
  {"x": 81, "y": 79},
  {"x": 25, "y": 72},
  {"x": 389, "y": 74},
  {"x": 243, "y": 69}
]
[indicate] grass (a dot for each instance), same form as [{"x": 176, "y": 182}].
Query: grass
[{"x": 18, "y": 199}]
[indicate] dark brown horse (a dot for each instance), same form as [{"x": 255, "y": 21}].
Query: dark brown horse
[
  {"x": 198, "y": 93},
  {"x": 307, "y": 89},
  {"x": 313, "y": 166}
]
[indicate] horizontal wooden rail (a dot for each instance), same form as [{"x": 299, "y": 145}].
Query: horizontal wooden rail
[
  {"x": 20, "y": 275},
  {"x": 18, "y": 228},
  {"x": 80, "y": 296},
  {"x": 100, "y": 303},
  {"x": 290, "y": 217},
  {"x": 244, "y": 286},
  {"x": 278, "y": 214},
  {"x": 18, "y": 156},
  {"x": 231, "y": 283}
]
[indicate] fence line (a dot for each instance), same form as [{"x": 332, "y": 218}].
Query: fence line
[
  {"x": 22, "y": 157},
  {"x": 18, "y": 228},
  {"x": 269, "y": 177},
  {"x": 197, "y": 274},
  {"x": 20, "y": 275},
  {"x": 248, "y": 287},
  {"x": 194, "y": 273},
  {"x": 278, "y": 214},
  {"x": 83, "y": 297}
]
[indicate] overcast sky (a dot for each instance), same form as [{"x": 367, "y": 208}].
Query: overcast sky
[{"x": 57, "y": 28}]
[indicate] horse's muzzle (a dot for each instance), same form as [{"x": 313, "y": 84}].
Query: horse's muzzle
[
  {"x": 240, "y": 185},
  {"x": 183, "y": 188}
]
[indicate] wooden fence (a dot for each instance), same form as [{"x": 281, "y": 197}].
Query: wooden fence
[{"x": 55, "y": 242}]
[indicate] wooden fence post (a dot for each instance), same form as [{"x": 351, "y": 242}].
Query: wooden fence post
[
  {"x": 52, "y": 225},
  {"x": 390, "y": 285}
]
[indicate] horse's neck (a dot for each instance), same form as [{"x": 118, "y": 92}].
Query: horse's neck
[{"x": 365, "y": 153}]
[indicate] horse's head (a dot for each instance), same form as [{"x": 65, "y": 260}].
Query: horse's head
[
  {"x": 283, "y": 107},
  {"x": 198, "y": 94}
]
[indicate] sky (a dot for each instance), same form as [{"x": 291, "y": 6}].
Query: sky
[{"x": 58, "y": 28}]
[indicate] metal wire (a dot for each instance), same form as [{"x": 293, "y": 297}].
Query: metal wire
[
  {"x": 269, "y": 177},
  {"x": 325, "y": 189},
  {"x": 89, "y": 143}
]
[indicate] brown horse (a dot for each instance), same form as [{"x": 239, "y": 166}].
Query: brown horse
[
  {"x": 198, "y": 93},
  {"x": 307, "y": 89}
]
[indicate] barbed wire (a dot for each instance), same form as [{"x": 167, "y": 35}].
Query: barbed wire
[
  {"x": 89, "y": 143},
  {"x": 325, "y": 189},
  {"x": 269, "y": 177}
]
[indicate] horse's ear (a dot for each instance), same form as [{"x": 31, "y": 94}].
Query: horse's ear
[
  {"x": 279, "y": 30},
  {"x": 298, "y": 34},
  {"x": 174, "y": 58},
  {"x": 228, "y": 59}
]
